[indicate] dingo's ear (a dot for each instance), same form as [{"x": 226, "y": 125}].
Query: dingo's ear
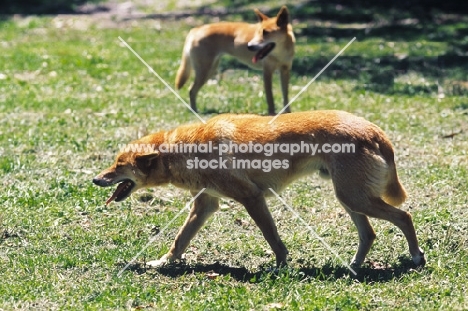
[
  {"x": 260, "y": 15},
  {"x": 146, "y": 160},
  {"x": 282, "y": 19}
]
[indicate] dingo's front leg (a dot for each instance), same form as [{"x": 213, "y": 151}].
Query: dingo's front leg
[
  {"x": 284, "y": 76},
  {"x": 268, "y": 87},
  {"x": 203, "y": 207}
]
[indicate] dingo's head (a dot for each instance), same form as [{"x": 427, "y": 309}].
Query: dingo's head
[
  {"x": 132, "y": 171},
  {"x": 269, "y": 32}
]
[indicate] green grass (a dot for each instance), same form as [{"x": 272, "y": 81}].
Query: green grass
[{"x": 70, "y": 93}]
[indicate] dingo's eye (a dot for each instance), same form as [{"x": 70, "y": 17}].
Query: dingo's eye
[{"x": 265, "y": 32}]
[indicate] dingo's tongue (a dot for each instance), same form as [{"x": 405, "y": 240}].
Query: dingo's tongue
[
  {"x": 255, "y": 59},
  {"x": 119, "y": 189}
]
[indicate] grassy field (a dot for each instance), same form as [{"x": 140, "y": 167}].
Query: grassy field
[{"x": 71, "y": 92}]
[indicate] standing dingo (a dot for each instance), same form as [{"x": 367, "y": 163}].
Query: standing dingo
[
  {"x": 365, "y": 179},
  {"x": 267, "y": 45}
]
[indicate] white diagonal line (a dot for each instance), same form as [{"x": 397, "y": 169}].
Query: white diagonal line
[
  {"x": 153, "y": 238},
  {"x": 311, "y": 81},
  {"x": 162, "y": 80},
  {"x": 313, "y": 232}
]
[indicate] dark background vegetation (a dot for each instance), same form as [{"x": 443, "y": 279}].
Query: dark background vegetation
[
  {"x": 41, "y": 6},
  {"x": 355, "y": 9}
]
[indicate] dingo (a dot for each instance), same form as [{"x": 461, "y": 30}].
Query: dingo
[
  {"x": 267, "y": 45},
  {"x": 365, "y": 180}
]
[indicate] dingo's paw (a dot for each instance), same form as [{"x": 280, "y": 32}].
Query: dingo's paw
[
  {"x": 420, "y": 259},
  {"x": 158, "y": 263}
]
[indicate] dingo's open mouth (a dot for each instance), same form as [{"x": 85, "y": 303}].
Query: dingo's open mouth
[
  {"x": 124, "y": 189},
  {"x": 263, "y": 52}
]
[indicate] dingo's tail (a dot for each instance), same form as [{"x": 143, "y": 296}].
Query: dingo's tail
[
  {"x": 394, "y": 193},
  {"x": 185, "y": 66}
]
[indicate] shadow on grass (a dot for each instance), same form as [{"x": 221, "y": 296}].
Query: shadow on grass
[
  {"x": 327, "y": 272},
  {"x": 378, "y": 74}
]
